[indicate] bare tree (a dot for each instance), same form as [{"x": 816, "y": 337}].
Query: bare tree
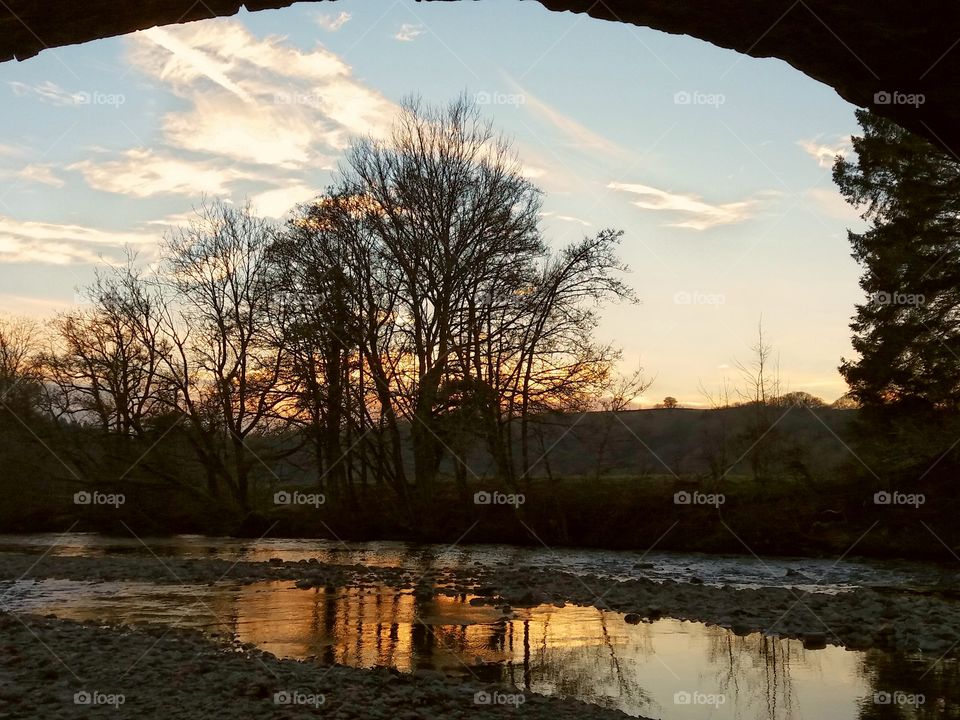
[
  {"x": 20, "y": 362},
  {"x": 457, "y": 222},
  {"x": 105, "y": 368},
  {"x": 425, "y": 304},
  {"x": 221, "y": 299},
  {"x": 760, "y": 392}
]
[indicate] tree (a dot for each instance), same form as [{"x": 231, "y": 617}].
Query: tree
[
  {"x": 20, "y": 364},
  {"x": 457, "y": 222},
  {"x": 845, "y": 402},
  {"x": 669, "y": 403},
  {"x": 906, "y": 333},
  {"x": 340, "y": 294},
  {"x": 759, "y": 393},
  {"x": 907, "y": 374},
  {"x": 800, "y": 399},
  {"x": 106, "y": 370},
  {"x": 620, "y": 392},
  {"x": 222, "y": 305},
  {"x": 426, "y": 306}
]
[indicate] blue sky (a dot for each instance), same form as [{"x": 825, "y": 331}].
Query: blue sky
[{"x": 716, "y": 165}]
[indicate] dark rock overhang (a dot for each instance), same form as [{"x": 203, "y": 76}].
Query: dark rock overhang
[{"x": 900, "y": 58}]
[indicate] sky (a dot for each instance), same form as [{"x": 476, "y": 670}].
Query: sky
[{"x": 716, "y": 166}]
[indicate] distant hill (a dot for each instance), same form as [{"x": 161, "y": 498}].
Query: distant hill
[{"x": 680, "y": 441}]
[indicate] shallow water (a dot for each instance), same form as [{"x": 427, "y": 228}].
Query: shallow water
[
  {"x": 738, "y": 571},
  {"x": 664, "y": 669},
  {"x": 648, "y": 670}
]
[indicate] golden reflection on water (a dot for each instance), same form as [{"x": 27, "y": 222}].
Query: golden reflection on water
[
  {"x": 585, "y": 653},
  {"x": 579, "y": 652}
]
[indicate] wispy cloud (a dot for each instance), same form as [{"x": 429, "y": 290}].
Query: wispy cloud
[
  {"x": 42, "y": 174},
  {"x": 690, "y": 210},
  {"x": 566, "y": 218},
  {"x": 572, "y": 219},
  {"x": 186, "y": 63},
  {"x": 48, "y": 92},
  {"x": 577, "y": 133},
  {"x": 409, "y": 32},
  {"x": 825, "y": 153},
  {"x": 63, "y": 244},
  {"x": 143, "y": 173},
  {"x": 332, "y": 23}
]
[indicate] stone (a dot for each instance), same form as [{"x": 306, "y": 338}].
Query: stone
[{"x": 896, "y": 46}]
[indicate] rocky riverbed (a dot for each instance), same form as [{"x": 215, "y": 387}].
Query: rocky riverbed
[
  {"x": 53, "y": 668},
  {"x": 861, "y": 619}
]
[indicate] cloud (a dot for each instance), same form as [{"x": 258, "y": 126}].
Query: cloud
[
  {"x": 63, "y": 244},
  {"x": 332, "y": 23},
  {"x": 41, "y": 174},
  {"x": 257, "y": 100},
  {"x": 692, "y": 212},
  {"x": 277, "y": 203},
  {"x": 186, "y": 63},
  {"x": 580, "y": 135},
  {"x": 566, "y": 218},
  {"x": 825, "y": 153},
  {"x": 48, "y": 92},
  {"x": 176, "y": 220},
  {"x": 142, "y": 173},
  {"x": 409, "y": 32},
  {"x": 572, "y": 219}
]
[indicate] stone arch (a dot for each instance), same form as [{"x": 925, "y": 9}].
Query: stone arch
[{"x": 877, "y": 54}]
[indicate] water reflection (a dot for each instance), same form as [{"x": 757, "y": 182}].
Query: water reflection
[
  {"x": 584, "y": 653},
  {"x": 910, "y": 687}
]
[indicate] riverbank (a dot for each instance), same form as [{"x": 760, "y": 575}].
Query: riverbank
[
  {"x": 784, "y": 518},
  {"x": 899, "y": 621},
  {"x": 63, "y": 669}
]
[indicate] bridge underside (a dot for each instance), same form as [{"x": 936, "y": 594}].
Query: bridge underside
[{"x": 875, "y": 54}]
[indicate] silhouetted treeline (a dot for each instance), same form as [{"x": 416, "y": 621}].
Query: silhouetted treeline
[
  {"x": 410, "y": 313},
  {"x": 409, "y": 339}
]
